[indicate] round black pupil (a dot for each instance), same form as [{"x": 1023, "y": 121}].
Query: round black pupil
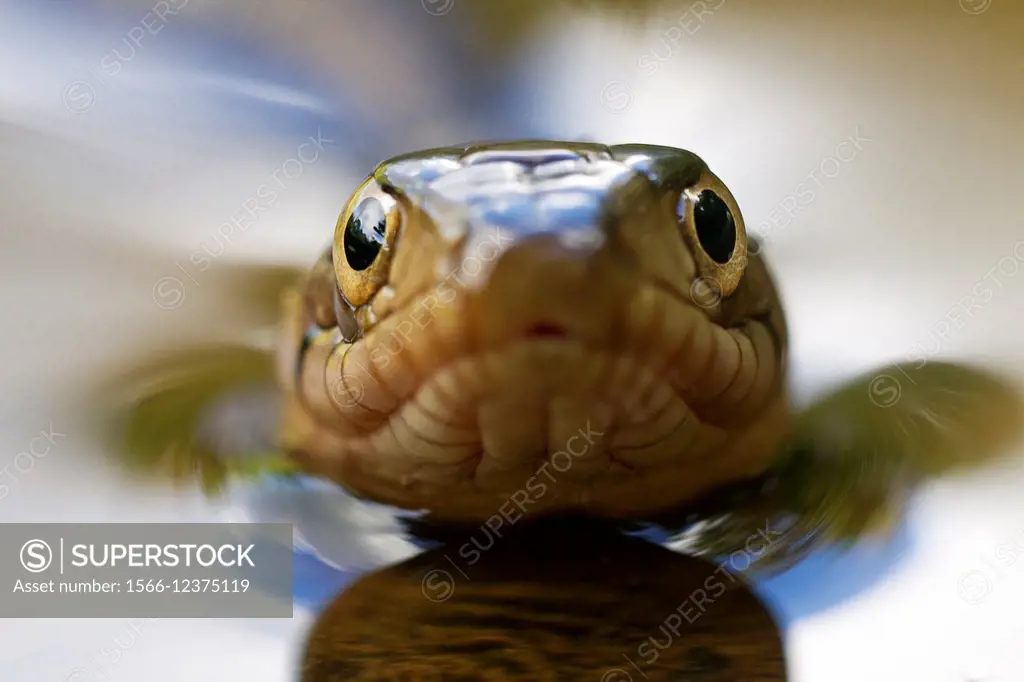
[
  {"x": 364, "y": 234},
  {"x": 716, "y": 229}
]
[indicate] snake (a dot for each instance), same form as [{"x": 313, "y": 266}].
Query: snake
[
  {"x": 549, "y": 343},
  {"x": 544, "y": 326}
]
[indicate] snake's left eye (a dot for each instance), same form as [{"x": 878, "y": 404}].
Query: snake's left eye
[
  {"x": 363, "y": 241},
  {"x": 712, "y": 227}
]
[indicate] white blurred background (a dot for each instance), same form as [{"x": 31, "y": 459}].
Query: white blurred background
[{"x": 129, "y": 136}]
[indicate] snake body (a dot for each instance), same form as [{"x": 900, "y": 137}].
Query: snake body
[{"x": 536, "y": 327}]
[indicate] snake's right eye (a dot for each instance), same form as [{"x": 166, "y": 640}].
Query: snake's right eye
[
  {"x": 716, "y": 228},
  {"x": 364, "y": 234},
  {"x": 363, "y": 241}
]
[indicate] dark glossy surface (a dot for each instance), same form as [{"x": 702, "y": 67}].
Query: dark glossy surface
[{"x": 561, "y": 600}]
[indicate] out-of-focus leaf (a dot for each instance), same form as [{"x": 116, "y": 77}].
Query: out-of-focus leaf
[
  {"x": 856, "y": 457},
  {"x": 155, "y": 409},
  {"x": 937, "y": 419}
]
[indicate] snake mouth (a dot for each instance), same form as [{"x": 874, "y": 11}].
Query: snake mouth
[
  {"x": 622, "y": 346},
  {"x": 464, "y": 392},
  {"x": 546, "y": 330},
  {"x": 483, "y": 416}
]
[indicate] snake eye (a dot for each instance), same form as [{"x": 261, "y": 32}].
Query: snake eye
[
  {"x": 716, "y": 229},
  {"x": 363, "y": 241},
  {"x": 364, "y": 234},
  {"x": 713, "y": 230}
]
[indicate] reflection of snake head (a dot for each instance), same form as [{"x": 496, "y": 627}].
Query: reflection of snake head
[
  {"x": 581, "y": 326},
  {"x": 520, "y": 611}
]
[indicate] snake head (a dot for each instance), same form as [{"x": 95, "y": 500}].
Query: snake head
[{"x": 539, "y": 327}]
